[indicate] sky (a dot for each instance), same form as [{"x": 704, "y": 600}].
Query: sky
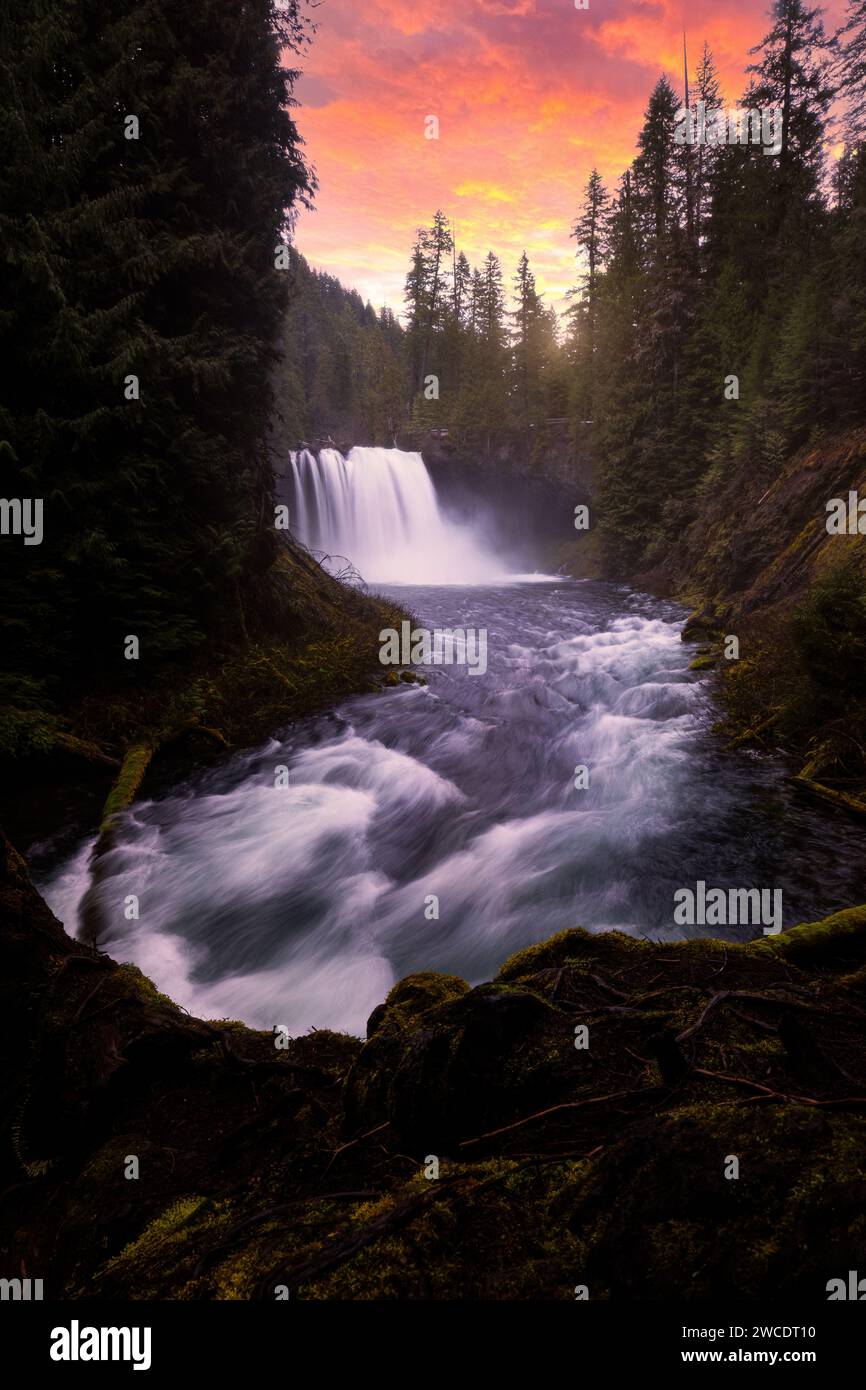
[{"x": 528, "y": 95}]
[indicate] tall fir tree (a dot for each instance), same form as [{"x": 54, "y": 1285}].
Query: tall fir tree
[
  {"x": 151, "y": 163},
  {"x": 589, "y": 233}
]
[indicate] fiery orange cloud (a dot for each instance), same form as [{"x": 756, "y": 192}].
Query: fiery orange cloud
[{"x": 529, "y": 96}]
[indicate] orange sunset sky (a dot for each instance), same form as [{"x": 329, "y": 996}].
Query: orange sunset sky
[{"x": 529, "y": 95}]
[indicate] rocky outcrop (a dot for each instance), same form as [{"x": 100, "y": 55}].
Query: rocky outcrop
[
  {"x": 523, "y": 491},
  {"x": 758, "y": 542},
  {"x": 609, "y": 1115},
  {"x": 766, "y": 570},
  {"x": 558, "y": 453}
]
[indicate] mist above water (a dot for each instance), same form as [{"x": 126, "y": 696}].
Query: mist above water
[{"x": 379, "y": 509}]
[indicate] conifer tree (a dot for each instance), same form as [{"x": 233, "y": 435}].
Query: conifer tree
[
  {"x": 851, "y": 69},
  {"x": 151, "y": 163},
  {"x": 705, "y": 91},
  {"x": 526, "y": 343},
  {"x": 461, "y": 290},
  {"x": 589, "y": 233}
]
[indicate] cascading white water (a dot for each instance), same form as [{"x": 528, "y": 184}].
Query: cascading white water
[
  {"x": 378, "y": 508},
  {"x": 302, "y": 903}
]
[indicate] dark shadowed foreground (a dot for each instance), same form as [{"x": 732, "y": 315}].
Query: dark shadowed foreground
[{"x": 558, "y": 1166}]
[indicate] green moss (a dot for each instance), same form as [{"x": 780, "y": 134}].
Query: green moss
[
  {"x": 421, "y": 991},
  {"x": 813, "y": 940},
  {"x": 24, "y": 733},
  {"x": 238, "y": 1275},
  {"x": 468, "y": 1242},
  {"x": 573, "y": 944},
  {"x": 164, "y": 1244},
  {"x": 769, "y": 1048},
  {"x": 145, "y": 987},
  {"x": 129, "y": 779},
  {"x": 105, "y": 1166},
  {"x": 691, "y": 1232},
  {"x": 413, "y": 996},
  {"x": 700, "y": 626}
]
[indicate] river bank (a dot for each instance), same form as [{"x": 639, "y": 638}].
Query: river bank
[
  {"x": 760, "y": 564},
  {"x": 608, "y": 1118},
  {"x": 311, "y": 642},
  {"x": 753, "y": 558}
]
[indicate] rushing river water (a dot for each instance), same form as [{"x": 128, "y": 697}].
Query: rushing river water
[{"x": 302, "y": 904}]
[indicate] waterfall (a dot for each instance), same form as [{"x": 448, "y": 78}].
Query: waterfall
[{"x": 378, "y": 508}]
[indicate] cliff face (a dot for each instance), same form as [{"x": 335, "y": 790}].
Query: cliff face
[
  {"x": 524, "y": 490},
  {"x": 759, "y": 543},
  {"x": 762, "y": 567},
  {"x": 553, "y": 453},
  {"x": 703, "y": 1136}
]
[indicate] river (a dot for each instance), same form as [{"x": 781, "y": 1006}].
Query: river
[{"x": 439, "y": 827}]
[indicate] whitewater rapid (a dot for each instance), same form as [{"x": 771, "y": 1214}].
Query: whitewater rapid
[{"x": 302, "y": 904}]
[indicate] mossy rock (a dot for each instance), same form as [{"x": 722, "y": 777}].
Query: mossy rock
[
  {"x": 831, "y": 941},
  {"x": 574, "y": 945},
  {"x": 412, "y": 996},
  {"x": 582, "y": 1108},
  {"x": 701, "y": 625},
  {"x": 668, "y": 1223},
  {"x": 439, "y": 1074}
]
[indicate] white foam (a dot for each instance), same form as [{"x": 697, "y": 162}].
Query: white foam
[{"x": 378, "y": 508}]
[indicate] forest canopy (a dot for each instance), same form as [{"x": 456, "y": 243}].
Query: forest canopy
[{"x": 150, "y": 165}]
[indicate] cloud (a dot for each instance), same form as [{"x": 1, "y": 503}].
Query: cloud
[
  {"x": 484, "y": 192},
  {"x": 530, "y": 95}
]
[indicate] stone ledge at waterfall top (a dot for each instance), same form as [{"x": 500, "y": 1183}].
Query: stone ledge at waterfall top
[{"x": 559, "y": 1166}]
